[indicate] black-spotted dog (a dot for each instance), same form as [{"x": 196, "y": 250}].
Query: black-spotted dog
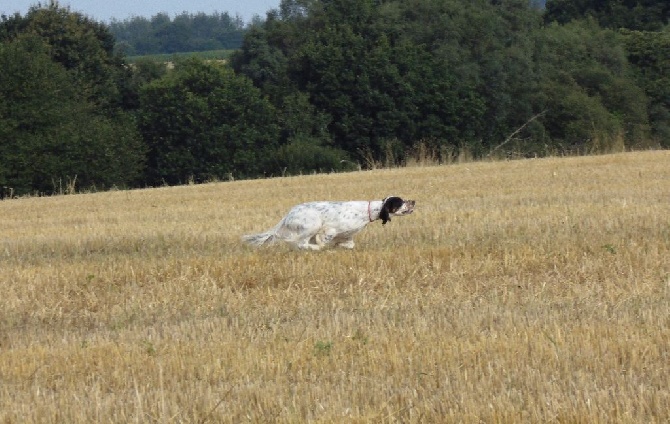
[{"x": 316, "y": 225}]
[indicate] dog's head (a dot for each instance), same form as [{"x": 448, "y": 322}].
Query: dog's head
[{"x": 395, "y": 206}]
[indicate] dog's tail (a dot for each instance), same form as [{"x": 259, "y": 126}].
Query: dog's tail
[{"x": 263, "y": 239}]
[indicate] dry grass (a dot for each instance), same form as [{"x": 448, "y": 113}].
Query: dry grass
[{"x": 525, "y": 291}]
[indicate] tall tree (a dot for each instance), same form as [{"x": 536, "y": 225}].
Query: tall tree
[
  {"x": 81, "y": 45},
  {"x": 63, "y": 94},
  {"x": 394, "y": 73},
  {"x": 50, "y": 133},
  {"x": 203, "y": 122},
  {"x": 587, "y": 87},
  {"x": 185, "y": 32},
  {"x": 268, "y": 48},
  {"x": 648, "y": 15},
  {"x": 649, "y": 54}
]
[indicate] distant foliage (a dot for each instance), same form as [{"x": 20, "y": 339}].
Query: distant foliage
[
  {"x": 586, "y": 86},
  {"x": 62, "y": 115},
  {"x": 645, "y": 41},
  {"x": 183, "y": 33},
  {"x": 642, "y": 15},
  {"x": 464, "y": 75},
  {"x": 326, "y": 86},
  {"x": 304, "y": 156},
  {"x": 202, "y": 122},
  {"x": 649, "y": 54}
]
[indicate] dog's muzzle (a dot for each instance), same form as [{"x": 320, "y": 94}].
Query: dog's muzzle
[{"x": 409, "y": 207}]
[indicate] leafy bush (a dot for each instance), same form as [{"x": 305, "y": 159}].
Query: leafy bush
[
  {"x": 305, "y": 155},
  {"x": 202, "y": 122},
  {"x": 50, "y": 131}
]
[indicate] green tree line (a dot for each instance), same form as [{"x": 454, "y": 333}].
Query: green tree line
[
  {"x": 185, "y": 32},
  {"x": 320, "y": 85}
]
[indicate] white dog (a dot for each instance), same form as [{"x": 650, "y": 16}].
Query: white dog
[{"x": 316, "y": 225}]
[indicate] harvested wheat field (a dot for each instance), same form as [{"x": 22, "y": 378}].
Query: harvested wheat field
[{"x": 521, "y": 291}]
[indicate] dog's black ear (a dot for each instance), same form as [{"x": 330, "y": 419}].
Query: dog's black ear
[
  {"x": 389, "y": 206},
  {"x": 384, "y": 215}
]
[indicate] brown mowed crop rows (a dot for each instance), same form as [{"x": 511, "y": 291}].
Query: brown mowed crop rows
[{"x": 522, "y": 291}]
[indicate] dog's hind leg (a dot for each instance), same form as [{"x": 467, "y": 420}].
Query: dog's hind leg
[
  {"x": 309, "y": 239},
  {"x": 305, "y": 244},
  {"x": 347, "y": 244},
  {"x": 326, "y": 237},
  {"x": 304, "y": 231}
]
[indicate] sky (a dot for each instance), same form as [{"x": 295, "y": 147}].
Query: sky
[{"x": 105, "y": 10}]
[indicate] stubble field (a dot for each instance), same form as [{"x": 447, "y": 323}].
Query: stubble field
[{"x": 523, "y": 291}]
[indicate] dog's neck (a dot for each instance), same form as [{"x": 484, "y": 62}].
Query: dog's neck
[{"x": 374, "y": 209}]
